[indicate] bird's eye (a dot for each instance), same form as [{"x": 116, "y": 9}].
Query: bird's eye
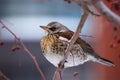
[{"x": 53, "y": 28}]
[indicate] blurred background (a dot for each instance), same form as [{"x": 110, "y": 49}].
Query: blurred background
[{"x": 24, "y": 17}]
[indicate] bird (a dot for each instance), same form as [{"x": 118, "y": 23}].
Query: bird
[{"x": 55, "y": 41}]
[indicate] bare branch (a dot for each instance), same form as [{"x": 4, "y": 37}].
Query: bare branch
[
  {"x": 3, "y": 77},
  {"x": 104, "y": 10},
  {"x": 93, "y": 13},
  {"x": 57, "y": 73},
  {"x": 75, "y": 36},
  {"x": 26, "y": 50},
  {"x": 107, "y": 13},
  {"x": 73, "y": 39}
]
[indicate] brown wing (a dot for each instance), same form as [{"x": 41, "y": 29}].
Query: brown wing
[{"x": 85, "y": 46}]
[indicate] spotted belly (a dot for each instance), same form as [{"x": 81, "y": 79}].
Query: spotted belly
[
  {"x": 75, "y": 57},
  {"x": 54, "y": 52}
]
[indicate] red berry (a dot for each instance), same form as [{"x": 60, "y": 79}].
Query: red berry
[
  {"x": 115, "y": 29},
  {"x": 69, "y": 1},
  {"x": 116, "y": 5},
  {"x": 75, "y": 74},
  {"x": 1, "y": 43},
  {"x": 118, "y": 41},
  {"x": 108, "y": 0},
  {"x": 113, "y": 45},
  {"x": 118, "y": 56},
  {"x": 15, "y": 48}
]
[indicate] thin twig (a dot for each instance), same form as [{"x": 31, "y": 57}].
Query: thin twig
[
  {"x": 26, "y": 50},
  {"x": 73, "y": 39},
  {"x": 95, "y": 14},
  {"x": 56, "y": 74},
  {"x": 75, "y": 36},
  {"x": 4, "y": 76},
  {"x": 33, "y": 58}
]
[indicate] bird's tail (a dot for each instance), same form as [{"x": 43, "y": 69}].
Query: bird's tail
[{"x": 105, "y": 61}]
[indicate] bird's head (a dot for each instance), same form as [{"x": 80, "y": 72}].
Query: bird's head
[{"x": 54, "y": 27}]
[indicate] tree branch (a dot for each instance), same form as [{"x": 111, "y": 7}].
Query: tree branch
[
  {"x": 25, "y": 49},
  {"x": 3, "y": 77},
  {"x": 73, "y": 39},
  {"x": 103, "y": 10},
  {"x": 107, "y": 13}
]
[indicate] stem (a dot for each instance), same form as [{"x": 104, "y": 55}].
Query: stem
[
  {"x": 26, "y": 50},
  {"x": 55, "y": 77},
  {"x": 4, "y": 76},
  {"x": 73, "y": 39},
  {"x": 33, "y": 58},
  {"x": 107, "y": 13},
  {"x": 75, "y": 36},
  {"x": 103, "y": 10},
  {"x": 9, "y": 30}
]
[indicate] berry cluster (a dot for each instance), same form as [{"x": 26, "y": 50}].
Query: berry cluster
[
  {"x": 116, "y": 38},
  {"x": 15, "y": 46},
  {"x": 116, "y": 5}
]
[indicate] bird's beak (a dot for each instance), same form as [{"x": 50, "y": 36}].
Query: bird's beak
[{"x": 44, "y": 27}]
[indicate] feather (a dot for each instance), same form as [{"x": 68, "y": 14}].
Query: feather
[
  {"x": 87, "y": 48},
  {"x": 68, "y": 34},
  {"x": 105, "y": 62}
]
